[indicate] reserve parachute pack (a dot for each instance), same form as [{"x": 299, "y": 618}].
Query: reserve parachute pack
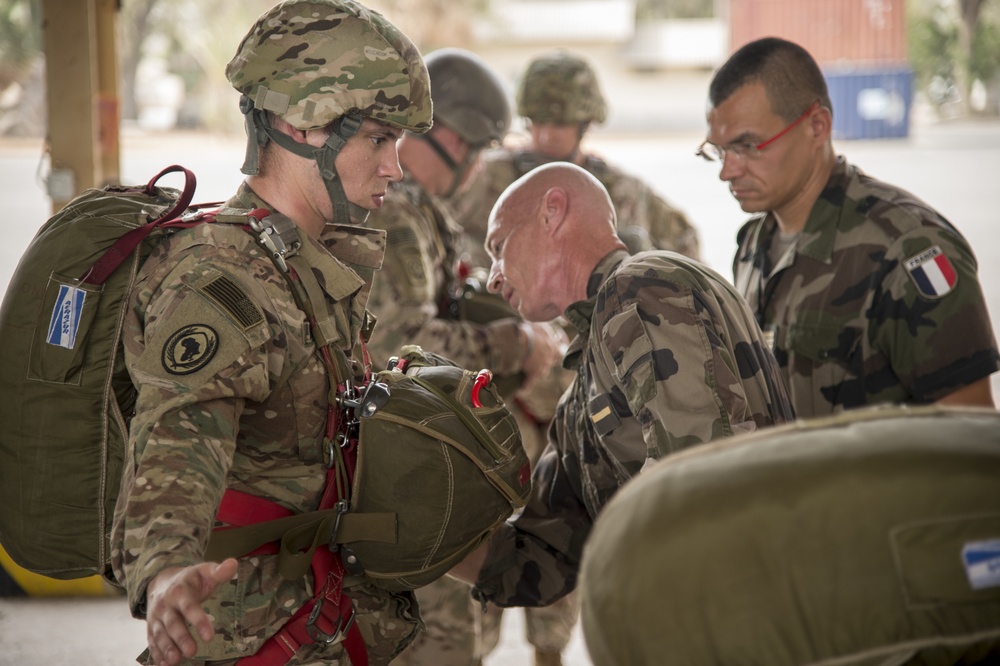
[{"x": 438, "y": 457}]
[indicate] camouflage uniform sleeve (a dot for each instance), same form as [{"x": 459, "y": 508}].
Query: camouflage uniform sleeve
[
  {"x": 194, "y": 364},
  {"x": 931, "y": 320},
  {"x": 405, "y": 297},
  {"x": 665, "y": 348},
  {"x": 534, "y": 558},
  {"x": 662, "y": 342}
]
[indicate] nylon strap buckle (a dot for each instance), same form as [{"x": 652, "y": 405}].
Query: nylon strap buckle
[
  {"x": 277, "y": 234},
  {"x": 321, "y": 636}
]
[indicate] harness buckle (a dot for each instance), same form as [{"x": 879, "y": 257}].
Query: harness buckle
[{"x": 321, "y": 636}]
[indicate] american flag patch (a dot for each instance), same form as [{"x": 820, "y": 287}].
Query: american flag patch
[{"x": 932, "y": 272}]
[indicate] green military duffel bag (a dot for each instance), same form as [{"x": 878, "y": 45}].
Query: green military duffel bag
[{"x": 869, "y": 538}]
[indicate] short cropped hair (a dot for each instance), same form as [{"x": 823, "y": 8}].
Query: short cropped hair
[{"x": 791, "y": 77}]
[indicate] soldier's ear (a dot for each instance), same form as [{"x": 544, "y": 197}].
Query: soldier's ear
[
  {"x": 821, "y": 123},
  {"x": 555, "y": 204}
]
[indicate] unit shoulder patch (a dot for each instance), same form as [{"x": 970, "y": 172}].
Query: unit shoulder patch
[{"x": 189, "y": 349}]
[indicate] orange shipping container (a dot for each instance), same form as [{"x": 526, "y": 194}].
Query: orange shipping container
[{"x": 835, "y": 32}]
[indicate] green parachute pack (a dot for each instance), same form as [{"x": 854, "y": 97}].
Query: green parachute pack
[
  {"x": 66, "y": 399},
  {"x": 869, "y": 538}
]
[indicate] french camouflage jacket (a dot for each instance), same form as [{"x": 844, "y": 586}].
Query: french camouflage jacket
[
  {"x": 232, "y": 394},
  {"x": 412, "y": 288},
  {"x": 668, "y": 356},
  {"x": 877, "y": 301},
  {"x": 652, "y": 223}
]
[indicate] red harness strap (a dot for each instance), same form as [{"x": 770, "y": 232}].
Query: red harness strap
[{"x": 328, "y": 616}]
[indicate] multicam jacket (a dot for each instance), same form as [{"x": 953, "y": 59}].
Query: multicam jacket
[
  {"x": 878, "y": 301},
  {"x": 668, "y": 356},
  {"x": 232, "y": 394},
  {"x": 413, "y": 285},
  {"x": 652, "y": 223}
]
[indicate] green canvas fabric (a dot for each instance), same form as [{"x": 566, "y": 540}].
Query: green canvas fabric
[
  {"x": 450, "y": 471},
  {"x": 872, "y": 537},
  {"x": 64, "y": 410}
]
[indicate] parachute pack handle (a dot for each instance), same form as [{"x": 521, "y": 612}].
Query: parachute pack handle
[
  {"x": 124, "y": 246},
  {"x": 299, "y": 534}
]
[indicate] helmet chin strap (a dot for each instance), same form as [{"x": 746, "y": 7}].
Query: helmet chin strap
[
  {"x": 259, "y": 132},
  {"x": 458, "y": 171}
]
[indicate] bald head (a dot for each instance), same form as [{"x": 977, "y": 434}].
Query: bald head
[
  {"x": 557, "y": 184},
  {"x": 546, "y": 234}
]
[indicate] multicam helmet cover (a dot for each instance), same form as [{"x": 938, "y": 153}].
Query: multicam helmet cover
[
  {"x": 561, "y": 88},
  {"x": 313, "y": 61}
]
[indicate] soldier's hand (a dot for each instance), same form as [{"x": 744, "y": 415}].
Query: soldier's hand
[
  {"x": 174, "y": 600},
  {"x": 545, "y": 347}
]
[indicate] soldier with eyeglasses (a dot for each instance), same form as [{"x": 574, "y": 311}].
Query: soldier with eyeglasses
[{"x": 866, "y": 294}]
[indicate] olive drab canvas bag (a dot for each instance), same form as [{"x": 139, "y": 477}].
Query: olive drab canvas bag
[
  {"x": 65, "y": 394},
  {"x": 437, "y": 466},
  {"x": 432, "y": 409}
]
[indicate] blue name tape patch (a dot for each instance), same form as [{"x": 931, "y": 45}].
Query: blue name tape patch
[
  {"x": 65, "y": 321},
  {"x": 982, "y": 563}
]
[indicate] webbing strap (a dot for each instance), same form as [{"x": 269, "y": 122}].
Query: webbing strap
[
  {"x": 126, "y": 244},
  {"x": 330, "y": 613},
  {"x": 297, "y": 535}
]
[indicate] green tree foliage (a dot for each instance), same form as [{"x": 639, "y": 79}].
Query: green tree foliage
[
  {"x": 20, "y": 39},
  {"x": 656, "y": 10},
  {"x": 952, "y": 44}
]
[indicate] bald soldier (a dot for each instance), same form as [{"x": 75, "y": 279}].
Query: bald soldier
[
  {"x": 412, "y": 293},
  {"x": 667, "y": 356}
]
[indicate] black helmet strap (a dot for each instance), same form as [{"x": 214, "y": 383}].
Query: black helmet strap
[{"x": 458, "y": 170}]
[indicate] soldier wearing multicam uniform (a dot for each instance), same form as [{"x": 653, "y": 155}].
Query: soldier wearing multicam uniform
[
  {"x": 233, "y": 394},
  {"x": 412, "y": 294},
  {"x": 560, "y": 97},
  {"x": 868, "y": 294},
  {"x": 668, "y": 356}
]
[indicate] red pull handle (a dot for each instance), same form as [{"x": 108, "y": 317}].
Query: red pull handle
[{"x": 483, "y": 378}]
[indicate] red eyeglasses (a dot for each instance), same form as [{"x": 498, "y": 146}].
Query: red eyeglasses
[{"x": 745, "y": 149}]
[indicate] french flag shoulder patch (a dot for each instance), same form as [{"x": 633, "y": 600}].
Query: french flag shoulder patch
[{"x": 932, "y": 272}]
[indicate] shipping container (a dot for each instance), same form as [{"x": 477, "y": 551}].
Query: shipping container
[
  {"x": 870, "y": 103},
  {"x": 833, "y": 31}
]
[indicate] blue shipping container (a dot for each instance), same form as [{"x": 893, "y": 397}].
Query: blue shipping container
[{"x": 871, "y": 103}]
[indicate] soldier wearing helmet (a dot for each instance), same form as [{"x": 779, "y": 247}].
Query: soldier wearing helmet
[
  {"x": 560, "y": 97},
  {"x": 413, "y": 296},
  {"x": 328, "y": 87}
]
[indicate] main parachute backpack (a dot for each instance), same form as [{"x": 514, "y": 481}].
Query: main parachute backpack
[{"x": 65, "y": 394}]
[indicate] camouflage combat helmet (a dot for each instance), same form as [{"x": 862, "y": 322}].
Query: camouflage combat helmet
[
  {"x": 319, "y": 63},
  {"x": 561, "y": 88},
  {"x": 468, "y": 96},
  {"x": 471, "y": 100}
]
